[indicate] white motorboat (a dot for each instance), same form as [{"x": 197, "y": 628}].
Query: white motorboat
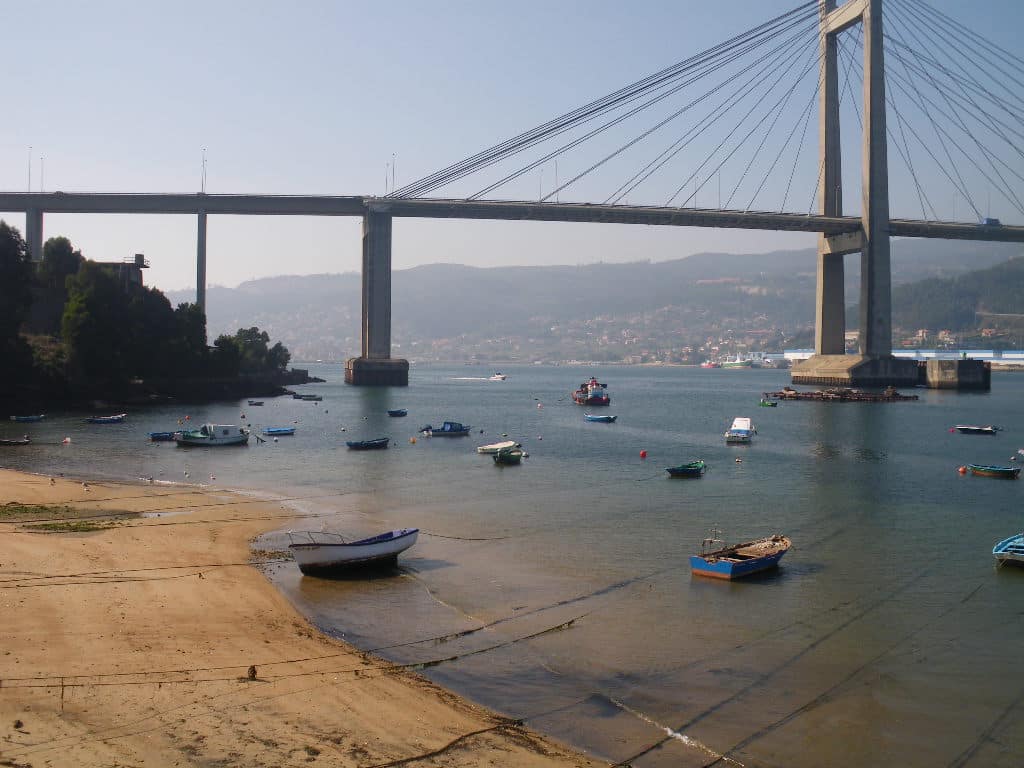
[
  {"x": 319, "y": 553},
  {"x": 213, "y": 434},
  {"x": 495, "y": 447},
  {"x": 499, "y": 376},
  {"x": 740, "y": 432}
]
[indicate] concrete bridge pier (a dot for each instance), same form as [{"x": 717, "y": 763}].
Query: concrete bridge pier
[
  {"x": 201, "y": 263},
  {"x": 34, "y": 233},
  {"x": 375, "y": 366}
]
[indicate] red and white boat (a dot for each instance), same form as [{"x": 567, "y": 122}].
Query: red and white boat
[{"x": 592, "y": 393}]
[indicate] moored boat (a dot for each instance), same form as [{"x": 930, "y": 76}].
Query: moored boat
[
  {"x": 1010, "y": 550},
  {"x": 255, "y": 402},
  {"x": 115, "y": 419},
  {"x": 213, "y": 434},
  {"x": 710, "y": 364},
  {"x": 738, "y": 560},
  {"x": 499, "y": 376},
  {"x": 13, "y": 441},
  {"x": 448, "y": 429},
  {"x": 738, "y": 362},
  {"x": 766, "y": 403},
  {"x": 592, "y": 393},
  {"x": 278, "y": 431},
  {"x": 508, "y": 456},
  {"x": 495, "y": 447},
  {"x": 29, "y": 419},
  {"x": 161, "y": 437},
  {"x": 325, "y": 554},
  {"x": 741, "y": 431},
  {"x": 602, "y": 419},
  {"x": 311, "y": 398},
  {"x": 989, "y": 470},
  {"x": 690, "y": 469},
  {"x": 398, "y": 412},
  {"x": 971, "y": 429},
  {"x": 376, "y": 444}
]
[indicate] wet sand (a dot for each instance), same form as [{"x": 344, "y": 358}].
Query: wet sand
[{"x": 155, "y": 641}]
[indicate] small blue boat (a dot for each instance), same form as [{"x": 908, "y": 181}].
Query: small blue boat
[
  {"x": 1010, "y": 550},
  {"x": 601, "y": 419},
  {"x": 161, "y": 437},
  {"x": 278, "y": 431},
  {"x": 35, "y": 417},
  {"x": 738, "y": 560},
  {"x": 398, "y": 412},
  {"x": 985, "y": 470},
  {"x": 116, "y": 419}
]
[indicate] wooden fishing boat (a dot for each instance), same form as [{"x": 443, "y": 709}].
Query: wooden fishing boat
[
  {"x": 278, "y": 431},
  {"x": 13, "y": 441},
  {"x": 508, "y": 456},
  {"x": 738, "y": 560},
  {"x": 601, "y": 419},
  {"x": 115, "y": 419},
  {"x": 495, "y": 447},
  {"x": 319, "y": 553},
  {"x": 1010, "y": 550},
  {"x": 368, "y": 445},
  {"x": 161, "y": 437},
  {"x": 448, "y": 429},
  {"x": 212, "y": 435},
  {"x": 397, "y": 412},
  {"x": 988, "y": 470},
  {"x": 741, "y": 431},
  {"x": 971, "y": 429},
  {"x": 29, "y": 419},
  {"x": 690, "y": 469}
]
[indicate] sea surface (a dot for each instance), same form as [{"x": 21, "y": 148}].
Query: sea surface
[{"x": 886, "y": 637}]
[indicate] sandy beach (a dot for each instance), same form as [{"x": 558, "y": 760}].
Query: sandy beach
[{"x": 154, "y": 640}]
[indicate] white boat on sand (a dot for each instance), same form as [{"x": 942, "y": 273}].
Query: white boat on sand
[
  {"x": 495, "y": 447},
  {"x": 319, "y": 553}
]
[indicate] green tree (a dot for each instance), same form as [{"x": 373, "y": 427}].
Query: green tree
[
  {"x": 190, "y": 352},
  {"x": 15, "y": 284},
  {"x": 60, "y": 260},
  {"x": 94, "y": 327}
]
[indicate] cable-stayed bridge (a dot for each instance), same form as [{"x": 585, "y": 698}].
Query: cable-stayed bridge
[{"x": 721, "y": 139}]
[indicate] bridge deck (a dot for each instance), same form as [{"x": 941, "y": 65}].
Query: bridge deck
[{"x": 327, "y": 205}]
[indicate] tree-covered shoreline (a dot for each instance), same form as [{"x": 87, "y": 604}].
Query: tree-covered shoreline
[{"x": 73, "y": 331}]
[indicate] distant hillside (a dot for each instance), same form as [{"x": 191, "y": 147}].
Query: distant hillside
[
  {"x": 992, "y": 297},
  {"x": 317, "y": 316}
]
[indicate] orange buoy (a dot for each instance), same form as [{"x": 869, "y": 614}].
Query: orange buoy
[
  {"x": 643, "y": 454},
  {"x": 962, "y": 470},
  {"x": 412, "y": 441}
]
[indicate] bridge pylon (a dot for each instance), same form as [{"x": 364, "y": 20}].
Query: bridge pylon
[{"x": 874, "y": 363}]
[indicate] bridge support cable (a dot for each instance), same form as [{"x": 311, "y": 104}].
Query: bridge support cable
[
  {"x": 981, "y": 54},
  {"x": 786, "y": 45},
  {"x": 956, "y": 118},
  {"x": 728, "y": 136},
  {"x": 762, "y": 69},
  {"x": 745, "y": 42},
  {"x": 900, "y": 143}
]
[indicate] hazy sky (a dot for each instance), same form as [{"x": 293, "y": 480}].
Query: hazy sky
[{"x": 317, "y": 97}]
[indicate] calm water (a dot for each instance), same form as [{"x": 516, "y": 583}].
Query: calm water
[{"x": 886, "y": 637}]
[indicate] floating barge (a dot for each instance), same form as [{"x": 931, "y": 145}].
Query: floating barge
[{"x": 841, "y": 395}]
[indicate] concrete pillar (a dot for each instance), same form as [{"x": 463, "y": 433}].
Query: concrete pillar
[
  {"x": 875, "y": 276},
  {"x": 34, "y": 233},
  {"x": 376, "y": 285},
  {"x": 201, "y": 263},
  {"x": 830, "y": 300}
]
